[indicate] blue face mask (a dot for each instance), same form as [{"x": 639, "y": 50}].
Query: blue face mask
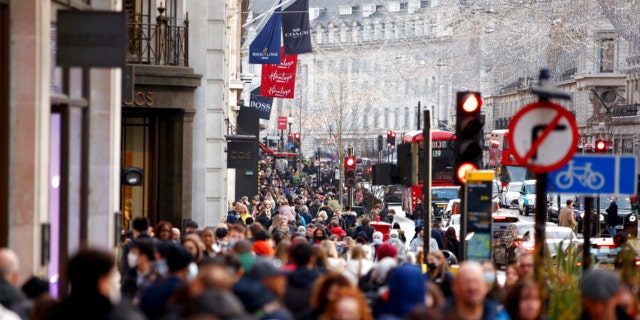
[
  {"x": 490, "y": 277},
  {"x": 393, "y": 240},
  {"x": 162, "y": 268},
  {"x": 377, "y": 241}
]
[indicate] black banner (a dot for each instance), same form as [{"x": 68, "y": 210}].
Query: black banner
[
  {"x": 242, "y": 153},
  {"x": 296, "y": 30},
  {"x": 263, "y": 104}
]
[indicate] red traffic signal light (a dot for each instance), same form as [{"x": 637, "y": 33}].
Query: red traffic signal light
[
  {"x": 296, "y": 136},
  {"x": 350, "y": 162},
  {"x": 601, "y": 145},
  {"x": 462, "y": 171},
  {"x": 391, "y": 138},
  {"x": 468, "y": 137}
]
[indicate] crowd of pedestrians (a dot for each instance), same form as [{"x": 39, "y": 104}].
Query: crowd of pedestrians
[{"x": 285, "y": 254}]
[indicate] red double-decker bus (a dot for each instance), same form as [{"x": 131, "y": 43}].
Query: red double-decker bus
[
  {"x": 442, "y": 154},
  {"x": 501, "y": 159}
]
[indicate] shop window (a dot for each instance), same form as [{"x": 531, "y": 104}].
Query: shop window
[{"x": 607, "y": 55}]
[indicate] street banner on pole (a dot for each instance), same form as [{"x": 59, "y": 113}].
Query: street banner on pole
[
  {"x": 263, "y": 104},
  {"x": 279, "y": 80},
  {"x": 296, "y": 30},
  {"x": 265, "y": 48}
]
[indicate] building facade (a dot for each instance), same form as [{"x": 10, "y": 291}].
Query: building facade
[{"x": 67, "y": 133}]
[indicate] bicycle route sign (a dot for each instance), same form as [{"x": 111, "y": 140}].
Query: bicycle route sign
[
  {"x": 592, "y": 174},
  {"x": 543, "y": 136}
]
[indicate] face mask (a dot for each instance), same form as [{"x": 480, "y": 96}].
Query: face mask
[
  {"x": 132, "y": 259},
  {"x": 193, "y": 271},
  {"x": 302, "y": 233},
  {"x": 319, "y": 237},
  {"x": 377, "y": 241},
  {"x": 393, "y": 240},
  {"x": 432, "y": 266},
  {"x": 114, "y": 288},
  {"x": 490, "y": 277},
  {"x": 162, "y": 268}
]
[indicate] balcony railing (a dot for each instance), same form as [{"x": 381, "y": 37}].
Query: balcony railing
[{"x": 158, "y": 44}]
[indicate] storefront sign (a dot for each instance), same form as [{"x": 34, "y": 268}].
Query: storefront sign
[
  {"x": 91, "y": 39},
  {"x": 140, "y": 99},
  {"x": 242, "y": 152}
]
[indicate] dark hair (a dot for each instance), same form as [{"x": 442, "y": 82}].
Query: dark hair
[
  {"x": 140, "y": 224},
  {"x": 569, "y": 201},
  {"x": 260, "y": 235},
  {"x": 86, "y": 268},
  {"x": 248, "y": 221},
  {"x": 221, "y": 232},
  {"x": 301, "y": 254},
  {"x": 159, "y": 227},
  {"x": 512, "y": 301},
  {"x": 146, "y": 247},
  {"x": 365, "y": 221}
]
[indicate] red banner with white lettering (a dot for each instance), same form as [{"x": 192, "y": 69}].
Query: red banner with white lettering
[{"x": 279, "y": 80}]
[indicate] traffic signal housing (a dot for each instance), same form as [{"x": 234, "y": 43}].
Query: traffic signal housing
[
  {"x": 391, "y": 139},
  {"x": 468, "y": 143},
  {"x": 601, "y": 146},
  {"x": 350, "y": 171}
]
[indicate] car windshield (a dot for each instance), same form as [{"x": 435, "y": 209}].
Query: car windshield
[
  {"x": 515, "y": 187},
  {"x": 624, "y": 203},
  {"x": 530, "y": 188},
  {"x": 444, "y": 194}
]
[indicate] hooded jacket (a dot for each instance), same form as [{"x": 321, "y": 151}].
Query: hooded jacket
[{"x": 299, "y": 290}]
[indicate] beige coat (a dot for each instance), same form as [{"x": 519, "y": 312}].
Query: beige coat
[{"x": 567, "y": 218}]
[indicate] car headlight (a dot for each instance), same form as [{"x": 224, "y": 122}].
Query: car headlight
[{"x": 632, "y": 218}]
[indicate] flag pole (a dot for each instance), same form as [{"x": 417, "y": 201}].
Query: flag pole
[{"x": 267, "y": 12}]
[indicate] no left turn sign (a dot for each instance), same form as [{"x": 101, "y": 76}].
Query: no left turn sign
[{"x": 543, "y": 136}]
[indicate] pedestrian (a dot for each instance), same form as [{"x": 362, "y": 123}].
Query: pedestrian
[
  {"x": 163, "y": 231},
  {"x": 335, "y": 263},
  {"x": 511, "y": 277},
  {"x": 300, "y": 281},
  {"x": 524, "y": 301},
  {"x": 349, "y": 304},
  {"x": 438, "y": 272},
  {"x": 10, "y": 296},
  {"x": 451, "y": 241},
  {"x": 140, "y": 230},
  {"x": 469, "y": 291},
  {"x": 404, "y": 293},
  {"x": 526, "y": 266},
  {"x": 95, "y": 289},
  {"x": 190, "y": 227},
  {"x": 325, "y": 291},
  {"x": 142, "y": 274},
  {"x": 438, "y": 234},
  {"x": 600, "y": 290},
  {"x": 395, "y": 241},
  {"x": 358, "y": 265},
  {"x": 612, "y": 216},
  {"x": 389, "y": 216},
  {"x": 496, "y": 291},
  {"x": 567, "y": 217}
]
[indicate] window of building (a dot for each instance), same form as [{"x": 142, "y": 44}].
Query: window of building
[
  {"x": 387, "y": 115},
  {"x": 344, "y": 33},
  {"x": 376, "y": 119},
  {"x": 368, "y": 9},
  {"x": 607, "y": 55},
  {"x": 314, "y": 13},
  {"x": 346, "y": 10},
  {"x": 407, "y": 115},
  {"x": 394, "y": 6}
]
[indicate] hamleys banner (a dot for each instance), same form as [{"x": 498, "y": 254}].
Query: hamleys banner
[{"x": 279, "y": 80}]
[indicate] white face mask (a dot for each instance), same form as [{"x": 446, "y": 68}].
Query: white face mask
[
  {"x": 193, "y": 271},
  {"x": 114, "y": 288},
  {"x": 132, "y": 260}
]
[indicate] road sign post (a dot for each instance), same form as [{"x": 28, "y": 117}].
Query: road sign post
[{"x": 476, "y": 239}]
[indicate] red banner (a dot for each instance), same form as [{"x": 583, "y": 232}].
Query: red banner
[
  {"x": 282, "y": 123},
  {"x": 279, "y": 80}
]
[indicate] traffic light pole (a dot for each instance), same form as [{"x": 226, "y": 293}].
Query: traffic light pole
[
  {"x": 541, "y": 221},
  {"x": 426, "y": 185}
]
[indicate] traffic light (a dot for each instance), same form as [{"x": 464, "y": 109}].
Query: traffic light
[
  {"x": 350, "y": 171},
  {"x": 391, "y": 139},
  {"x": 468, "y": 143},
  {"x": 289, "y": 137},
  {"x": 296, "y": 136},
  {"x": 131, "y": 176},
  {"x": 601, "y": 146}
]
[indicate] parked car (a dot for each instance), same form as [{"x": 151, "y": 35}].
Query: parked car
[
  {"x": 501, "y": 220},
  {"x": 504, "y": 247},
  {"x": 453, "y": 208},
  {"x": 440, "y": 197},
  {"x": 527, "y": 198},
  {"x": 603, "y": 250},
  {"x": 393, "y": 194},
  {"x": 510, "y": 194},
  {"x": 555, "y": 237}
]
